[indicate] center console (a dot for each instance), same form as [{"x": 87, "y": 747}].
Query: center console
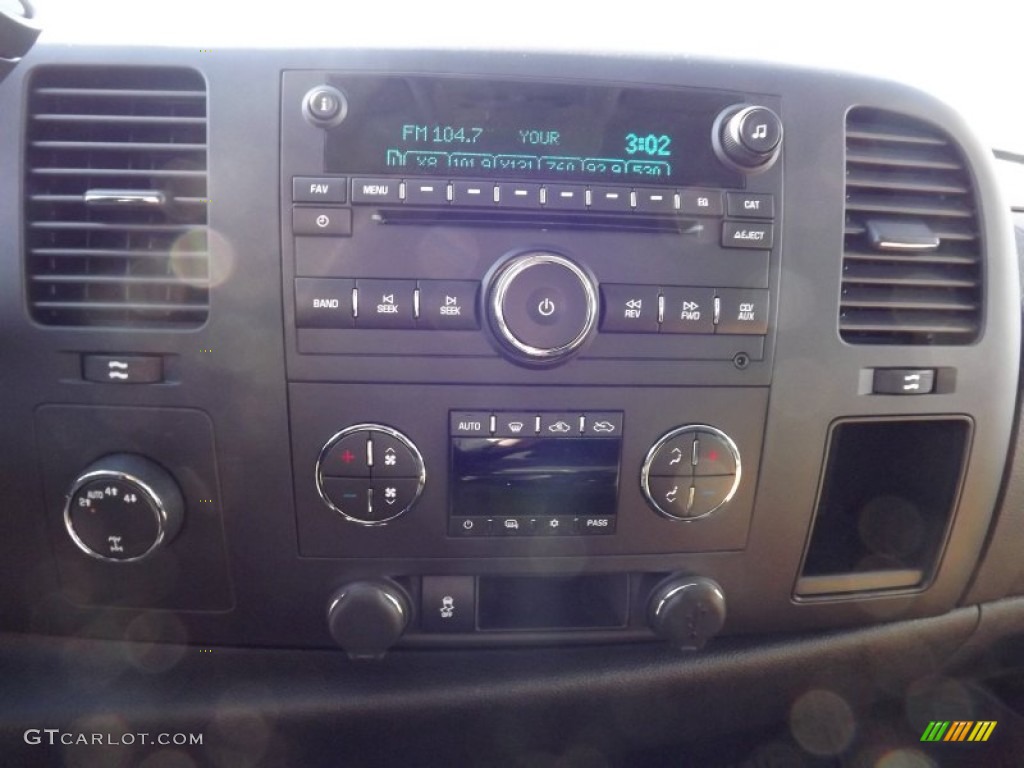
[
  {"x": 618, "y": 238},
  {"x": 484, "y": 350}
]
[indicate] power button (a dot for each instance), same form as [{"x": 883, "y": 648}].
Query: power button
[{"x": 543, "y": 306}]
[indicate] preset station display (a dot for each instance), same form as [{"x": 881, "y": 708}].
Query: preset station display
[{"x": 414, "y": 125}]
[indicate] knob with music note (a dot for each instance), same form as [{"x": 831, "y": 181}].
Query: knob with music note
[{"x": 748, "y": 138}]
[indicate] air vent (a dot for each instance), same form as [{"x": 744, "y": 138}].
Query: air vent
[
  {"x": 912, "y": 253},
  {"x": 116, "y": 206}
]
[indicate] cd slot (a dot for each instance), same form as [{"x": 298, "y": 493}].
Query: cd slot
[{"x": 545, "y": 219}]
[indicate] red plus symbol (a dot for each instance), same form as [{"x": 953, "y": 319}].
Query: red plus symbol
[{"x": 348, "y": 457}]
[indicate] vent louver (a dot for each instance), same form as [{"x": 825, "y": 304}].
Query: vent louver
[
  {"x": 912, "y": 246},
  {"x": 116, "y": 198}
]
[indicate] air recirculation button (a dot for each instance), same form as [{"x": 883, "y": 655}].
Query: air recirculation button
[
  {"x": 691, "y": 472},
  {"x": 370, "y": 474}
]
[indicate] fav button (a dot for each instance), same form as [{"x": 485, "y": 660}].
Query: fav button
[{"x": 317, "y": 189}]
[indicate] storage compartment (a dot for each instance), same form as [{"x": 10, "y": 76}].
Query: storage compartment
[
  {"x": 533, "y": 602},
  {"x": 885, "y": 505}
]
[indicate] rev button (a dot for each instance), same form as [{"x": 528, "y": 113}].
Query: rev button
[{"x": 630, "y": 308}]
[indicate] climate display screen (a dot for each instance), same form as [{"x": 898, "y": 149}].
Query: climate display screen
[
  {"x": 508, "y": 477},
  {"x": 457, "y": 127}
]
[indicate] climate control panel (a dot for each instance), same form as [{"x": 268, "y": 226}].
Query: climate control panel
[{"x": 370, "y": 474}]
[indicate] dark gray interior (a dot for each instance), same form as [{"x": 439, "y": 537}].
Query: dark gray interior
[{"x": 869, "y": 546}]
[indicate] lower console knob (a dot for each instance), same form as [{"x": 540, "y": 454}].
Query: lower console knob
[
  {"x": 368, "y": 617},
  {"x": 687, "y": 611}
]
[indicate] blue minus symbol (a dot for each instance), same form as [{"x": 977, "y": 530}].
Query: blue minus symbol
[{"x": 349, "y": 495}]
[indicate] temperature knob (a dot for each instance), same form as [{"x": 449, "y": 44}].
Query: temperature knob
[
  {"x": 687, "y": 611},
  {"x": 123, "y": 508},
  {"x": 368, "y": 617},
  {"x": 748, "y": 138}
]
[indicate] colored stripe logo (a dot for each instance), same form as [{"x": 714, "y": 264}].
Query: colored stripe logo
[{"x": 959, "y": 730}]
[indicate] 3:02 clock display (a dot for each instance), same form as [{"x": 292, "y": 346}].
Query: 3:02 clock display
[{"x": 651, "y": 144}]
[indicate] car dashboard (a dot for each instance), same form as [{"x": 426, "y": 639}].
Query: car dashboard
[{"x": 547, "y": 407}]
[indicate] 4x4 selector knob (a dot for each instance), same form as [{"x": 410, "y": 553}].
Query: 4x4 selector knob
[
  {"x": 123, "y": 508},
  {"x": 542, "y": 307},
  {"x": 748, "y": 138}
]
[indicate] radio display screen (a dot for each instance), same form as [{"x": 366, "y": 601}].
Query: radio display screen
[
  {"x": 534, "y": 476},
  {"x": 463, "y": 127}
]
